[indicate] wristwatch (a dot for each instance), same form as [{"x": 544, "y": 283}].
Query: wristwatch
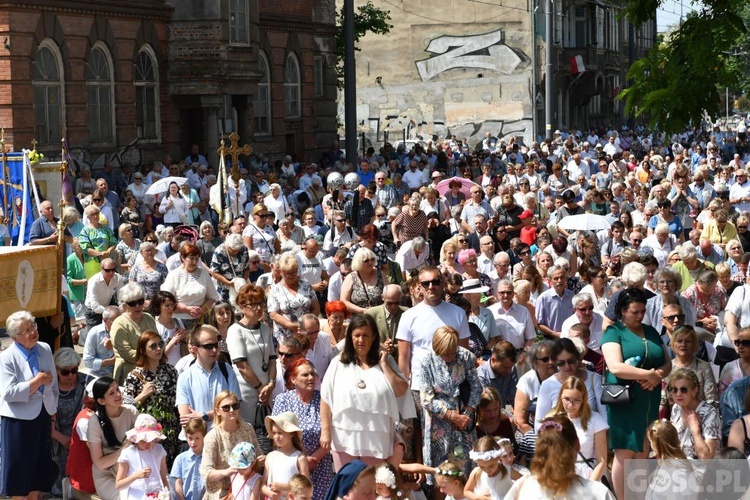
[{"x": 205, "y": 417}]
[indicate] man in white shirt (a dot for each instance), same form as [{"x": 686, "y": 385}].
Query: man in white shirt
[
  {"x": 101, "y": 291},
  {"x": 414, "y": 178},
  {"x": 320, "y": 352},
  {"x": 412, "y": 255},
  {"x": 513, "y": 320},
  {"x": 418, "y": 325},
  {"x": 739, "y": 194},
  {"x": 334, "y": 284},
  {"x": 311, "y": 265},
  {"x": 486, "y": 254},
  {"x": 583, "y": 307}
]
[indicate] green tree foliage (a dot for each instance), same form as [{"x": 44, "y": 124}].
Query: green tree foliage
[
  {"x": 685, "y": 73},
  {"x": 367, "y": 19}
]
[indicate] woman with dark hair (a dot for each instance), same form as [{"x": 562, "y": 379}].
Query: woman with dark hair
[
  {"x": 192, "y": 286},
  {"x": 553, "y": 473},
  {"x": 597, "y": 287},
  {"x": 171, "y": 329},
  {"x": 222, "y": 317},
  {"x": 635, "y": 356},
  {"x": 304, "y": 401},
  {"x": 106, "y": 433},
  {"x": 359, "y": 407},
  {"x": 174, "y": 207},
  {"x": 153, "y": 384}
]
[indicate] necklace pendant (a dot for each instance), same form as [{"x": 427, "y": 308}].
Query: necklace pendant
[
  {"x": 361, "y": 384},
  {"x": 264, "y": 367}
]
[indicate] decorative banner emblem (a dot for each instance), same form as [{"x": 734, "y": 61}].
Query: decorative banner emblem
[{"x": 24, "y": 282}]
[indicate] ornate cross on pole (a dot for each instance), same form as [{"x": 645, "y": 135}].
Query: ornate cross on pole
[{"x": 234, "y": 151}]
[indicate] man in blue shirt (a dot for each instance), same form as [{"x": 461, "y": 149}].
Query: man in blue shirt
[
  {"x": 733, "y": 404},
  {"x": 204, "y": 379}
]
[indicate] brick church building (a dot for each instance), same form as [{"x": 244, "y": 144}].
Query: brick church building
[{"x": 131, "y": 82}]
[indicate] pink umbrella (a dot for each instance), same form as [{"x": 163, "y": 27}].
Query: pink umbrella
[{"x": 466, "y": 185}]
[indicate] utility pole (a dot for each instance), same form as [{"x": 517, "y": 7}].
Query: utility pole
[
  {"x": 350, "y": 85},
  {"x": 549, "y": 77}
]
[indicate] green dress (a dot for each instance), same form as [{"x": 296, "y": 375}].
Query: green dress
[{"x": 628, "y": 423}]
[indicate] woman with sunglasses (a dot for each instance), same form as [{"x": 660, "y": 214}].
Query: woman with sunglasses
[
  {"x": 697, "y": 422},
  {"x": 127, "y": 328},
  {"x": 153, "y": 386},
  {"x": 99, "y": 200},
  {"x": 69, "y": 403},
  {"x": 527, "y": 393},
  {"x": 567, "y": 357},
  {"x": 97, "y": 240},
  {"x": 362, "y": 289},
  {"x": 259, "y": 235},
  {"x": 229, "y": 429},
  {"x": 740, "y": 367}
]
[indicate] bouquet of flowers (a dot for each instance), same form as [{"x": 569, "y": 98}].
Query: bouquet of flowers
[
  {"x": 162, "y": 494},
  {"x": 35, "y": 157}
]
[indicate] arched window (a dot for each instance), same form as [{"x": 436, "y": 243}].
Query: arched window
[
  {"x": 292, "y": 86},
  {"x": 262, "y": 104},
  {"x": 146, "y": 95},
  {"x": 49, "y": 107},
  {"x": 101, "y": 93}
]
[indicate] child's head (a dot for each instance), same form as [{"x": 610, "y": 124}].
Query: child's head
[
  {"x": 450, "y": 479},
  {"x": 146, "y": 432},
  {"x": 662, "y": 436},
  {"x": 506, "y": 446},
  {"x": 284, "y": 430},
  {"x": 388, "y": 481},
  {"x": 242, "y": 456},
  {"x": 300, "y": 488},
  {"x": 195, "y": 431},
  {"x": 487, "y": 454}
]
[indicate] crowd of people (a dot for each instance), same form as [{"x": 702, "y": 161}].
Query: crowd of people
[{"x": 424, "y": 323}]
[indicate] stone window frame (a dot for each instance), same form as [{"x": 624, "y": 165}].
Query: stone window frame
[
  {"x": 239, "y": 22},
  {"x": 292, "y": 86},
  {"x": 100, "y": 92},
  {"x": 262, "y": 101},
  {"x": 145, "y": 86},
  {"x": 48, "y": 87}
]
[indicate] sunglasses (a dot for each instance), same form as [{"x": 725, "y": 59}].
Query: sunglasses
[
  {"x": 96, "y": 200},
  {"x": 462, "y": 241},
  {"x": 228, "y": 408},
  {"x": 522, "y": 254},
  {"x": 636, "y": 240},
  {"x": 209, "y": 347},
  {"x": 569, "y": 362},
  {"x": 134, "y": 303},
  {"x": 741, "y": 227},
  {"x": 156, "y": 345},
  {"x": 288, "y": 354},
  {"x": 65, "y": 372},
  {"x": 681, "y": 390},
  {"x": 544, "y": 359},
  {"x": 742, "y": 343},
  {"x": 585, "y": 309},
  {"x": 435, "y": 282},
  {"x": 673, "y": 317},
  {"x": 254, "y": 262},
  {"x": 110, "y": 270}
]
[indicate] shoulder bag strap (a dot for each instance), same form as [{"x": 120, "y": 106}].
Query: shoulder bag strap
[{"x": 364, "y": 287}]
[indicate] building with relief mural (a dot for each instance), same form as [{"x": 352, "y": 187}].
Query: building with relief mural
[
  {"x": 470, "y": 67},
  {"x": 133, "y": 81}
]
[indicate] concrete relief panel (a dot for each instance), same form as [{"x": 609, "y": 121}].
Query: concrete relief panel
[{"x": 485, "y": 51}]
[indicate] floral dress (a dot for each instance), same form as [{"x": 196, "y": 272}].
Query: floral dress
[
  {"x": 126, "y": 254},
  {"x": 229, "y": 267},
  {"x": 731, "y": 372},
  {"x": 264, "y": 240},
  {"x": 705, "y": 307},
  {"x": 150, "y": 281},
  {"x": 99, "y": 239},
  {"x": 710, "y": 427},
  {"x": 290, "y": 305},
  {"x": 162, "y": 405},
  {"x": 366, "y": 296},
  {"x": 439, "y": 394},
  {"x": 68, "y": 405},
  {"x": 308, "y": 415}
]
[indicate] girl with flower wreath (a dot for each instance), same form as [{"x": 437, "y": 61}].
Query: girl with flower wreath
[{"x": 490, "y": 476}]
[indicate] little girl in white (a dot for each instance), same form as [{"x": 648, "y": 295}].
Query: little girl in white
[
  {"x": 287, "y": 459},
  {"x": 142, "y": 468},
  {"x": 450, "y": 480},
  {"x": 246, "y": 482},
  {"x": 490, "y": 477},
  {"x": 388, "y": 483}
]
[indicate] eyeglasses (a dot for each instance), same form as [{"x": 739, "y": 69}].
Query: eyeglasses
[
  {"x": 471, "y": 261},
  {"x": 72, "y": 371},
  {"x": 134, "y": 303},
  {"x": 673, "y": 317},
  {"x": 741, "y": 227},
  {"x": 575, "y": 402},
  {"x": 156, "y": 345},
  {"x": 569, "y": 362},
  {"x": 96, "y": 200},
  {"x": 435, "y": 282},
  {"x": 585, "y": 309},
  {"x": 288, "y": 354},
  {"x": 544, "y": 359},
  {"x": 681, "y": 390},
  {"x": 636, "y": 240},
  {"x": 228, "y": 408},
  {"x": 344, "y": 220},
  {"x": 523, "y": 254},
  {"x": 742, "y": 343},
  {"x": 602, "y": 276},
  {"x": 110, "y": 270},
  {"x": 209, "y": 347},
  {"x": 505, "y": 292},
  {"x": 462, "y": 241},
  {"x": 254, "y": 262}
]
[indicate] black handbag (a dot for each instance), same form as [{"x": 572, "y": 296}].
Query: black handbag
[
  {"x": 259, "y": 426},
  {"x": 620, "y": 394}
]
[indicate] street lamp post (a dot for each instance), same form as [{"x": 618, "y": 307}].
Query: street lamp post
[{"x": 350, "y": 85}]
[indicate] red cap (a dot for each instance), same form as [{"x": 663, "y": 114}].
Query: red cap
[{"x": 526, "y": 214}]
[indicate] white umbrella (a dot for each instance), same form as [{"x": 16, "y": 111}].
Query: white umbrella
[
  {"x": 584, "y": 222},
  {"x": 162, "y": 185}
]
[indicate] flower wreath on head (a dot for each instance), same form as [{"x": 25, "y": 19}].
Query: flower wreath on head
[
  {"x": 385, "y": 476},
  {"x": 452, "y": 473},
  {"x": 487, "y": 455}
]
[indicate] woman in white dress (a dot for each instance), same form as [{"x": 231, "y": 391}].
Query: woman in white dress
[
  {"x": 259, "y": 235},
  {"x": 276, "y": 202},
  {"x": 174, "y": 207}
]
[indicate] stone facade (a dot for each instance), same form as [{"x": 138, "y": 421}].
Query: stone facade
[{"x": 59, "y": 57}]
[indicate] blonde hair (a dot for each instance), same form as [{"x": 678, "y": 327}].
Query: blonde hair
[
  {"x": 665, "y": 441},
  {"x": 488, "y": 443},
  {"x": 573, "y": 384},
  {"x": 219, "y": 415},
  {"x": 445, "y": 341}
]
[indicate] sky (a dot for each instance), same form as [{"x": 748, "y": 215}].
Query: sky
[{"x": 669, "y": 13}]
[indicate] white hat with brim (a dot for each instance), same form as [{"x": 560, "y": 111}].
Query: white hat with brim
[
  {"x": 146, "y": 429},
  {"x": 286, "y": 421},
  {"x": 473, "y": 286}
]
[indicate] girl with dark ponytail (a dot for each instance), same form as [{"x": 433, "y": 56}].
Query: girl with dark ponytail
[{"x": 106, "y": 433}]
